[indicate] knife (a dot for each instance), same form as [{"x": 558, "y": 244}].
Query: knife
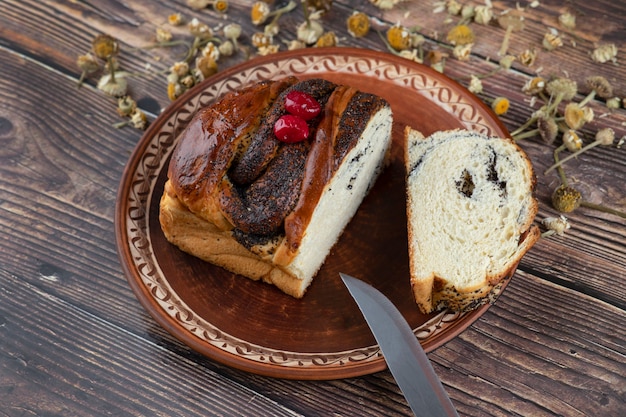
[{"x": 405, "y": 357}]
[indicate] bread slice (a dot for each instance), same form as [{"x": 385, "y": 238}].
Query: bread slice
[
  {"x": 470, "y": 215},
  {"x": 238, "y": 198}
]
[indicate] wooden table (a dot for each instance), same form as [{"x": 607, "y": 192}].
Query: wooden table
[{"x": 75, "y": 341}]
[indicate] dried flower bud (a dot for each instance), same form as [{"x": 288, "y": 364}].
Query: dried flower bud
[
  {"x": 500, "y": 105},
  {"x": 468, "y": 11},
  {"x": 613, "y": 103},
  {"x": 199, "y": 30},
  {"x": 411, "y": 55},
  {"x": 534, "y": 86},
  {"x": 551, "y": 41},
  {"x": 483, "y": 14},
  {"x": 174, "y": 90},
  {"x": 463, "y": 52},
  {"x": 113, "y": 86},
  {"x": 87, "y": 63},
  {"x": 605, "y": 136},
  {"x": 572, "y": 141},
  {"x": 211, "y": 50},
  {"x": 600, "y": 85},
  {"x": 226, "y": 48},
  {"x": 568, "y": 20},
  {"x": 232, "y": 31},
  {"x": 399, "y": 37},
  {"x": 309, "y": 32},
  {"x": 163, "y": 35},
  {"x": 548, "y": 129},
  {"x": 125, "y": 106},
  {"x": 175, "y": 19},
  {"x": 506, "y": 62},
  {"x": 566, "y": 199},
  {"x": 138, "y": 120},
  {"x": 563, "y": 87},
  {"x": 220, "y": 6},
  {"x": 268, "y": 50},
  {"x": 206, "y": 66},
  {"x": 259, "y": 13},
  {"x": 295, "y": 44},
  {"x": 576, "y": 116},
  {"x": 527, "y": 57},
  {"x": 417, "y": 40},
  {"x": 105, "y": 46},
  {"x": 181, "y": 69},
  {"x": 556, "y": 224},
  {"x": 453, "y": 7},
  {"x": 271, "y": 29},
  {"x": 605, "y": 53},
  {"x": 327, "y": 39},
  {"x": 188, "y": 81},
  {"x": 260, "y": 39},
  {"x": 358, "y": 24},
  {"x": 475, "y": 85},
  {"x": 460, "y": 35}
]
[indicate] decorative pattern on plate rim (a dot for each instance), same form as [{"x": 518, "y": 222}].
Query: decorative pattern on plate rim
[{"x": 157, "y": 150}]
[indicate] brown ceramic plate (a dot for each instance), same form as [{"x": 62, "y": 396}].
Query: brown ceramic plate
[{"x": 251, "y": 325}]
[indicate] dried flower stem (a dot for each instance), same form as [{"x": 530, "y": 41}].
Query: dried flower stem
[
  {"x": 560, "y": 169},
  {"x": 574, "y": 155},
  {"x": 603, "y": 209},
  {"x": 519, "y": 136}
]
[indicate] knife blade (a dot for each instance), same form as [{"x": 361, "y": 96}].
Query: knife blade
[{"x": 405, "y": 357}]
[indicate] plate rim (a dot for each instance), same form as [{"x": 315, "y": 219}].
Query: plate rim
[{"x": 175, "y": 328}]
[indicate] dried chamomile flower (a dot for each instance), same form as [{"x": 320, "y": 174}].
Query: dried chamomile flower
[
  {"x": 500, "y": 105},
  {"x": 453, "y": 7},
  {"x": 138, "y": 120},
  {"x": 483, "y": 14},
  {"x": 468, "y": 11},
  {"x": 188, "y": 81},
  {"x": 327, "y": 39},
  {"x": 548, "y": 129},
  {"x": 567, "y": 20},
  {"x": 88, "y": 65},
  {"x": 205, "y": 67},
  {"x": 358, "y": 24},
  {"x": 572, "y": 141},
  {"x": 511, "y": 23},
  {"x": 163, "y": 35},
  {"x": 506, "y": 61},
  {"x": 599, "y": 86},
  {"x": 105, "y": 46},
  {"x": 260, "y": 39},
  {"x": 295, "y": 44},
  {"x": 411, "y": 55},
  {"x": 527, "y": 57},
  {"x": 174, "y": 90},
  {"x": 310, "y": 32},
  {"x": 475, "y": 85},
  {"x": 534, "y": 86},
  {"x": 319, "y": 5},
  {"x": 175, "y": 19},
  {"x": 576, "y": 115},
  {"x": 562, "y": 87},
  {"x": 605, "y": 136},
  {"x": 259, "y": 12},
  {"x": 460, "y": 35},
  {"x": 463, "y": 52},
  {"x": 212, "y": 50},
  {"x": 613, "y": 103},
  {"x": 200, "y": 30},
  {"x": 566, "y": 199},
  {"x": 417, "y": 40},
  {"x": 399, "y": 37},
  {"x": 113, "y": 84},
  {"x": 551, "y": 41},
  {"x": 556, "y": 225},
  {"x": 385, "y": 4},
  {"x": 268, "y": 50},
  {"x": 226, "y": 48},
  {"x": 605, "y": 53},
  {"x": 437, "y": 60},
  {"x": 181, "y": 69},
  {"x": 126, "y": 105},
  {"x": 220, "y": 6}
]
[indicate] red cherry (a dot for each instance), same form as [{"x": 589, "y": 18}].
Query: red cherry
[
  {"x": 302, "y": 104},
  {"x": 291, "y": 129}
]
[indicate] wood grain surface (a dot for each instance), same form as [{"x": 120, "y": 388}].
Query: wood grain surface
[{"x": 74, "y": 341}]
